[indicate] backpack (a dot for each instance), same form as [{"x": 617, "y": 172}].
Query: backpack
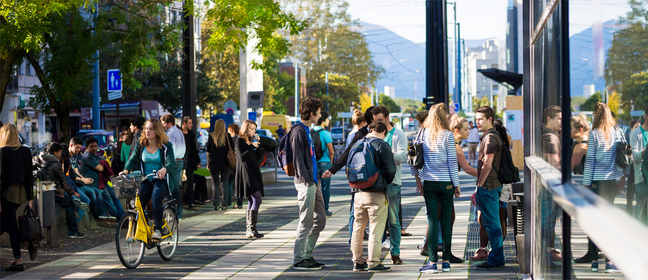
[
  {"x": 285, "y": 155},
  {"x": 317, "y": 143},
  {"x": 361, "y": 169},
  {"x": 507, "y": 173}
]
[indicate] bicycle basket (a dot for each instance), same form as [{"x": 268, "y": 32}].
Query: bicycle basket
[{"x": 124, "y": 188}]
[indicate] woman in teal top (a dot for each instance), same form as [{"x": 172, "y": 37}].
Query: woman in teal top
[
  {"x": 126, "y": 147},
  {"x": 153, "y": 152}
]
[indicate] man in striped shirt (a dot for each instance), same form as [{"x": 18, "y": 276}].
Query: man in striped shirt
[{"x": 489, "y": 188}]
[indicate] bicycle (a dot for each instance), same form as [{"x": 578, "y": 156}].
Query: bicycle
[{"x": 134, "y": 234}]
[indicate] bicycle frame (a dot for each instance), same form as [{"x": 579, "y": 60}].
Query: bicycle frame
[{"x": 144, "y": 232}]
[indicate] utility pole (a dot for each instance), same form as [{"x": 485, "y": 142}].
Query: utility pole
[
  {"x": 436, "y": 53},
  {"x": 458, "y": 92},
  {"x": 189, "y": 65},
  {"x": 96, "y": 117},
  {"x": 327, "y": 94},
  {"x": 296, "y": 88}
]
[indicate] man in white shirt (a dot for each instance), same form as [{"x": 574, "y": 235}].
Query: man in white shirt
[
  {"x": 473, "y": 143},
  {"x": 176, "y": 137}
]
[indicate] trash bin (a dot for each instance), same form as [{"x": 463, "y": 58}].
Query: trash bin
[{"x": 45, "y": 207}]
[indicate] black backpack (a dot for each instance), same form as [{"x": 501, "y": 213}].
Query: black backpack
[
  {"x": 317, "y": 143},
  {"x": 507, "y": 173}
]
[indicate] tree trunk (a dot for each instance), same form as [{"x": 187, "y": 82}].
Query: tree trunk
[
  {"x": 63, "y": 119},
  {"x": 6, "y": 65}
]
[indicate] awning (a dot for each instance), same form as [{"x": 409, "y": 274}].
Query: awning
[
  {"x": 122, "y": 105},
  {"x": 511, "y": 80}
]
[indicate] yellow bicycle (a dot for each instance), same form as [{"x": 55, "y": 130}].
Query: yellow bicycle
[{"x": 133, "y": 235}]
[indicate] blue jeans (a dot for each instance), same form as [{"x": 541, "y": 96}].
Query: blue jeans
[
  {"x": 82, "y": 196},
  {"x": 641, "y": 195},
  {"x": 394, "y": 199},
  {"x": 66, "y": 203},
  {"x": 111, "y": 202},
  {"x": 325, "y": 183},
  {"x": 176, "y": 179},
  {"x": 96, "y": 200},
  {"x": 488, "y": 202},
  {"x": 158, "y": 190}
]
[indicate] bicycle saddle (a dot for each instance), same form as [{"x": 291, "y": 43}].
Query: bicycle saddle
[{"x": 169, "y": 201}]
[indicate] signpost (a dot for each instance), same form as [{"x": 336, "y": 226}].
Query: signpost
[
  {"x": 114, "y": 82},
  {"x": 637, "y": 113},
  {"x": 229, "y": 107}
]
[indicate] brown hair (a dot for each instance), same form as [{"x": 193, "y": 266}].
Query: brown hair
[
  {"x": 162, "y": 138},
  {"x": 550, "y": 112},
  {"x": 358, "y": 117},
  {"x": 219, "y": 135},
  {"x": 244, "y": 127},
  {"x": 380, "y": 109},
  {"x": 235, "y": 128},
  {"x": 436, "y": 121},
  {"x": 603, "y": 119},
  {"x": 379, "y": 127},
  {"x": 580, "y": 121},
  {"x": 308, "y": 106},
  {"x": 9, "y": 136},
  {"x": 168, "y": 118},
  {"x": 487, "y": 111},
  {"x": 421, "y": 117}
]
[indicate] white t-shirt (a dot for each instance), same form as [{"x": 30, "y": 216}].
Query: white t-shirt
[{"x": 473, "y": 137}]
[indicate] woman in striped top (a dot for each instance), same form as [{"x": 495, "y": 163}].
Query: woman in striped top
[
  {"x": 440, "y": 182},
  {"x": 601, "y": 172}
]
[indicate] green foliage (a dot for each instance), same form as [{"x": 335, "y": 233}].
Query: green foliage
[
  {"x": 634, "y": 91},
  {"x": 342, "y": 92},
  {"x": 235, "y": 23},
  {"x": 221, "y": 67},
  {"x": 389, "y": 103},
  {"x": 410, "y": 106},
  {"x": 480, "y": 102},
  {"x": 589, "y": 103}
]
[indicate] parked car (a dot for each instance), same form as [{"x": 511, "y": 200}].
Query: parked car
[
  {"x": 203, "y": 137},
  {"x": 265, "y": 133},
  {"x": 105, "y": 140},
  {"x": 337, "y": 134},
  {"x": 83, "y": 132}
]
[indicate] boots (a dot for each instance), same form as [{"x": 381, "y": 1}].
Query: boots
[{"x": 251, "y": 231}]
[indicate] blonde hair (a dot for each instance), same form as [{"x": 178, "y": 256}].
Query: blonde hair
[
  {"x": 161, "y": 136},
  {"x": 603, "y": 119},
  {"x": 244, "y": 128},
  {"x": 358, "y": 117},
  {"x": 580, "y": 121},
  {"x": 219, "y": 134},
  {"x": 457, "y": 122},
  {"x": 436, "y": 121},
  {"x": 9, "y": 136}
]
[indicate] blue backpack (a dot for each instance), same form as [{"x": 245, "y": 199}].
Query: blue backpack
[
  {"x": 361, "y": 169},
  {"x": 285, "y": 155}
]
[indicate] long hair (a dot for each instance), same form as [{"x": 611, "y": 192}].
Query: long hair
[
  {"x": 9, "y": 136},
  {"x": 502, "y": 132},
  {"x": 161, "y": 136},
  {"x": 603, "y": 119},
  {"x": 436, "y": 121},
  {"x": 244, "y": 128},
  {"x": 219, "y": 135}
]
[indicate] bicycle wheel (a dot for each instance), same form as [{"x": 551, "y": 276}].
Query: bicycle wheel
[
  {"x": 168, "y": 246},
  {"x": 129, "y": 250}
]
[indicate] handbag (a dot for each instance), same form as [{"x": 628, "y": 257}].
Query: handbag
[
  {"x": 415, "y": 152},
  {"x": 623, "y": 157},
  {"x": 231, "y": 155},
  {"x": 30, "y": 226}
]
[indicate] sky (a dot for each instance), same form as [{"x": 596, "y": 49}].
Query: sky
[{"x": 479, "y": 19}]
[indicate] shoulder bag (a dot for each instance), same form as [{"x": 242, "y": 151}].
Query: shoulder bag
[
  {"x": 623, "y": 151},
  {"x": 415, "y": 152},
  {"x": 231, "y": 155}
]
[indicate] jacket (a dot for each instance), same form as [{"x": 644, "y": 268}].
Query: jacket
[
  {"x": 16, "y": 168},
  {"x": 54, "y": 173},
  {"x": 302, "y": 158},
  {"x": 136, "y": 137},
  {"x": 384, "y": 160},
  {"x": 399, "y": 149},
  {"x": 342, "y": 160},
  {"x": 192, "y": 158},
  {"x": 104, "y": 176},
  {"x": 166, "y": 157},
  {"x": 638, "y": 147}
]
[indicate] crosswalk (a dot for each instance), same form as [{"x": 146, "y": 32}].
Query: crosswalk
[{"x": 213, "y": 246}]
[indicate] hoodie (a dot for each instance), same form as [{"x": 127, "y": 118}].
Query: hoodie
[{"x": 54, "y": 173}]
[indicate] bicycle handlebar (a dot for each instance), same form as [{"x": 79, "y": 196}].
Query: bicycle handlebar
[{"x": 145, "y": 177}]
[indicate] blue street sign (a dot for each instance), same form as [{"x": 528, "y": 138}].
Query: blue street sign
[
  {"x": 230, "y": 111},
  {"x": 252, "y": 116},
  {"x": 114, "y": 80},
  {"x": 456, "y": 107}
]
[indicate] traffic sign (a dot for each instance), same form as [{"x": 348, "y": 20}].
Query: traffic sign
[
  {"x": 230, "y": 104},
  {"x": 114, "y": 95},
  {"x": 252, "y": 116},
  {"x": 456, "y": 107},
  {"x": 345, "y": 115},
  {"x": 229, "y": 111},
  {"x": 637, "y": 113},
  {"x": 114, "y": 80}
]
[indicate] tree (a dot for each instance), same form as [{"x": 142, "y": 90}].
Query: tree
[
  {"x": 389, "y": 103},
  {"x": 634, "y": 92},
  {"x": 342, "y": 93},
  {"x": 589, "y": 103},
  {"x": 365, "y": 102},
  {"x": 235, "y": 23},
  {"x": 480, "y": 102},
  {"x": 330, "y": 44},
  {"x": 23, "y": 26}
]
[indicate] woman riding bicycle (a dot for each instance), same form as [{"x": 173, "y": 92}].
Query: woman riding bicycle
[{"x": 158, "y": 155}]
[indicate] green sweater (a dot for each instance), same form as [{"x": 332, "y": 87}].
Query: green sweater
[{"x": 125, "y": 151}]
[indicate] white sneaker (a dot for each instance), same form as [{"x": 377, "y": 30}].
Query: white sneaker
[{"x": 386, "y": 244}]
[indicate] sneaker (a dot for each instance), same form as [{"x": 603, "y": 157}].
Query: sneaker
[
  {"x": 611, "y": 268},
  {"x": 429, "y": 267},
  {"x": 486, "y": 265},
  {"x": 306, "y": 265},
  {"x": 329, "y": 213},
  {"x": 80, "y": 204},
  {"x": 77, "y": 235},
  {"x": 379, "y": 268},
  {"x": 480, "y": 255},
  {"x": 594, "y": 267},
  {"x": 360, "y": 267},
  {"x": 386, "y": 244},
  {"x": 445, "y": 267},
  {"x": 313, "y": 261},
  {"x": 157, "y": 235}
]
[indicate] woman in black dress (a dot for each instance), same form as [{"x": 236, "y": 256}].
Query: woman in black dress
[
  {"x": 248, "y": 182},
  {"x": 218, "y": 145},
  {"x": 16, "y": 182}
]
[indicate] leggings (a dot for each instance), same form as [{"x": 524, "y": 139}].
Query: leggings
[
  {"x": 10, "y": 225},
  {"x": 254, "y": 201}
]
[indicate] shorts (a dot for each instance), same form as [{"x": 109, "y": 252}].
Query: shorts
[{"x": 472, "y": 147}]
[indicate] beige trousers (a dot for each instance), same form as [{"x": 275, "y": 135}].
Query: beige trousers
[{"x": 369, "y": 207}]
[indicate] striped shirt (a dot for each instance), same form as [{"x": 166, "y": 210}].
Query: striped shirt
[
  {"x": 601, "y": 153},
  {"x": 440, "y": 160}
]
